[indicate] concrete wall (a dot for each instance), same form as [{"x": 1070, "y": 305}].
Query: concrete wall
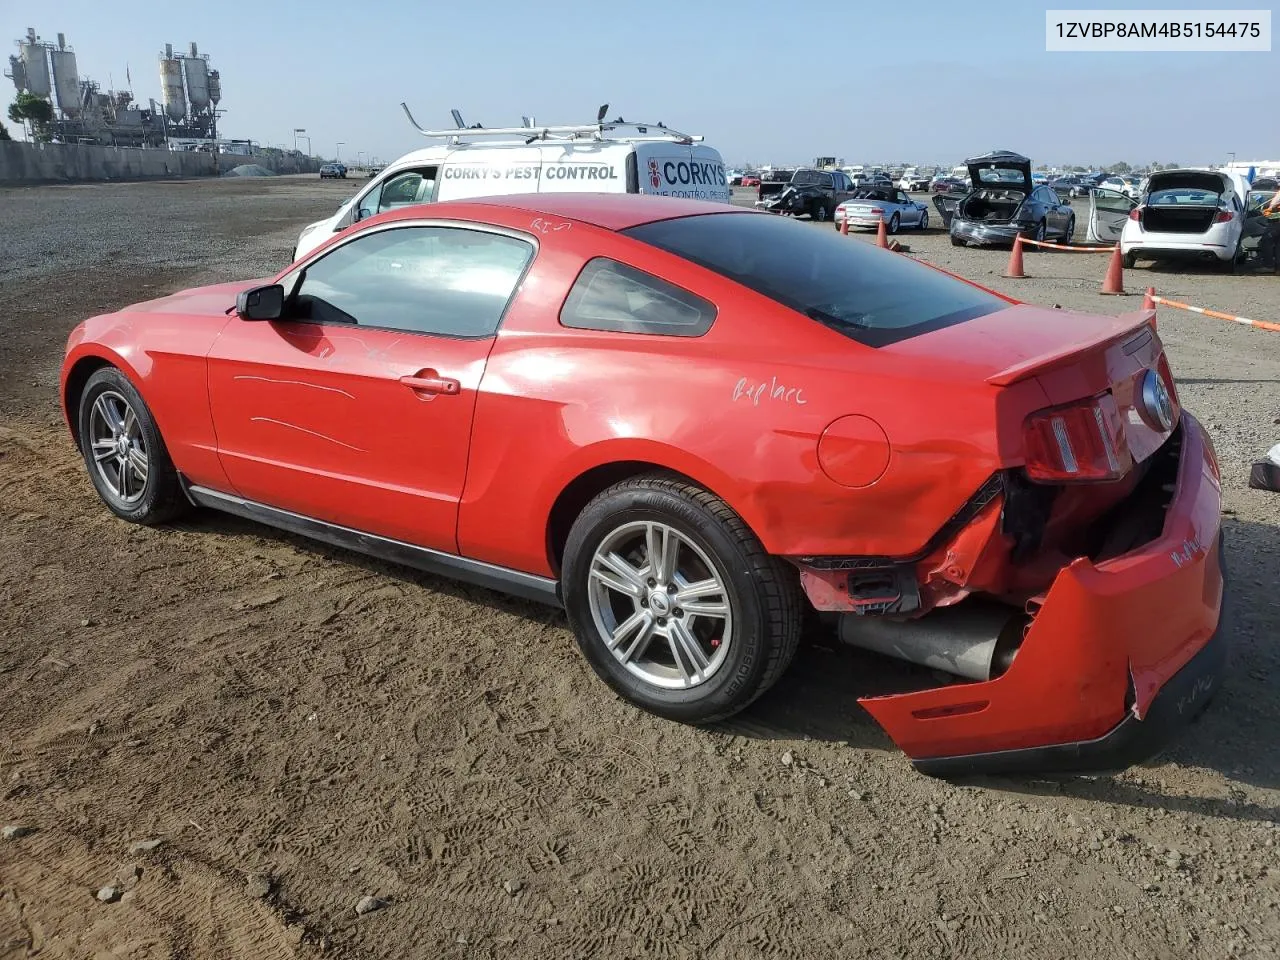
[{"x": 23, "y": 163}]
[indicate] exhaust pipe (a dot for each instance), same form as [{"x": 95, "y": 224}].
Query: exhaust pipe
[{"x": 973, "y": 639}]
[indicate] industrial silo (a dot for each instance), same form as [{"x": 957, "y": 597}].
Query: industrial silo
[
  {"x": 215, "y": 87},
  {"x": 175, "y": 98},
  {"x": 197, "y": 74},
  {"x": 65, "y": 79},
  {"x": 35, "y": 66}
]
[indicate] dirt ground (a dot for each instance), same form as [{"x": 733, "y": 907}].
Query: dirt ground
[{"x": 303, "y": 728}]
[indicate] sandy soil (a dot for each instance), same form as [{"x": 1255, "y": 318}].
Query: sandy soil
[{"x": 303, "y": 728}]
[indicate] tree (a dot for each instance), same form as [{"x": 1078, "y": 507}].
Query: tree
[
  {"x": 4, "y": 133},
  {"x": 1121, "y": 168},
  {"x": 33, "y": 112}
]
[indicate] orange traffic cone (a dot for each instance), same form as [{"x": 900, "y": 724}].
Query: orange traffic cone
[
  {"x": 1113, "y": 283},
  {"x": 1014, "y": 269},
  {"x": 1147, "y": 302},
  {"x": 881, "y": 235},
  {"x": 844, "y": 226}
]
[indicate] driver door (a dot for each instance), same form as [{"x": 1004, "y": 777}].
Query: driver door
[
  {"x": 1108, "y": 211},
  {"x": 355, "y": 407}
]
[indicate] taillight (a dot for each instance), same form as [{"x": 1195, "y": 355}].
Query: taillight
[
  {"x": 876, "y": 210},
  {"x": 1135, "y": 213},
  {"x": 1081, "y": 442},
  {"x": 1224, "y": 216}
]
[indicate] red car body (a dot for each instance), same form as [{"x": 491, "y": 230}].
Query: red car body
[
  {"x": 750, "y": 180},
  {"x": 825, "y": 448}
]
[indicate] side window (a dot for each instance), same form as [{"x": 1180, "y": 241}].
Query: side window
[
  {"x": 412, "y": 186},
  {"x": 448, "y": 281},
  {"x": 613, "y": 296}
]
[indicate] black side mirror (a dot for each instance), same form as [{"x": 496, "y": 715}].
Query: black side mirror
[{"x": 261, "y": 303}]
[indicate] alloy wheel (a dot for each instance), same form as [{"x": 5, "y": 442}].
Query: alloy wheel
[
  {"x": 660, "y": 605},
  {"x": 118, "y": 448}
]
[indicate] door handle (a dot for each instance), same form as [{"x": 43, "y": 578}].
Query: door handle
[{"x": 428, "y": 382}]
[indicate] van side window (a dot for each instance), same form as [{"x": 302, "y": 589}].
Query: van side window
[
  {"x": 614, "y": 297},
  {"x": 400, "y": 190}
]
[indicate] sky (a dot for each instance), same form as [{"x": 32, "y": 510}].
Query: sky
[{"x": 921, "y": 82}]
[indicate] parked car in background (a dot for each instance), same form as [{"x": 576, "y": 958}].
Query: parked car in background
[
  {"x": 1131, "y": 187},
  {"x": 749, "y": 180},
  {"x": 688, "y": 425},
  {"x": 815, "y": 193},
  {"x": 1193, "y": 214},
  {"x": 1005, "y": 204},
  {"x": 914, "y": 182},
  {"x": 891, "y": 204},
  {"x": 948, "y": 185},
  {"x": 333, "y": 171}
]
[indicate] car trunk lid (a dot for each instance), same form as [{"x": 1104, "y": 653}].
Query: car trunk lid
[
  {"x": 1001, "y": 168},
  {"x": 1073, "y": 358}
]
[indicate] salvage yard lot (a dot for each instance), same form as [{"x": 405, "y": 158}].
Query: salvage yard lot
[{"x": 305, "y": 727}]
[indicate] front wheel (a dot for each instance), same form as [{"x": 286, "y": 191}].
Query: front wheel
[
  {"x": 126, "y": 456},
  {"x": 675, "y": 603}
]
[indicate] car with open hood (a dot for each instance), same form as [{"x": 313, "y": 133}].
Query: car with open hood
[
  {"x": 1182, "y": 214},
  {"x": 1005, "y": 203}
]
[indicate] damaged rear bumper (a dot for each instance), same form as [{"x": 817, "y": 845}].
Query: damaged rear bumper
[
  {"x": 1120, "y": 654},
  {"x": 1130, "y": 742},
  {"x": 973, "y": 231}
]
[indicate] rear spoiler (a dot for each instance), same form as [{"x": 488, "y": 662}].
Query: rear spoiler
[{"x": 1124, "y": 326}]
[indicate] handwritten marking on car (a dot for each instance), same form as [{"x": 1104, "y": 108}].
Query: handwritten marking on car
[
  {"x": 769, "y": 389},
  {"x": 1198, "y": 691},
  {"x": 294, "y": 426},
  {"x": 1187, "y": 552},
  {"x": 546, "y": 226},
  {"x": 295, "y": 383}
]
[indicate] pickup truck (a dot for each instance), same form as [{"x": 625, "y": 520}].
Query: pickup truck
[{"x": 813, "y": 192}]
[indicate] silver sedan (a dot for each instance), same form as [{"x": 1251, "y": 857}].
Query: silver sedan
[{"x": 868, "y": 207}]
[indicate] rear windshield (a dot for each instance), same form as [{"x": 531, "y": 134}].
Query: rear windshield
[
  {"x": 869, "y": 295},
  {"x": 1193, "y": 198}
]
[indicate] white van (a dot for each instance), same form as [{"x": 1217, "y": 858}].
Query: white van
[{"x": 602, "y": 157}]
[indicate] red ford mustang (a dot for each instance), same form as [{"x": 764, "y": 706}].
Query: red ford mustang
[{"x": 685, "y": 422}]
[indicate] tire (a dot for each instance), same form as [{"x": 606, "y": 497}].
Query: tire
[
  {"x": 1040, "y": 231},
  {"x": 714, "y": 546},
  {"x": 149, "y": 500},
  {"x": 1069, "y": 233},
  {"x": 1129, "y": 259},
  {"x": 894, "y": 223},
  {"x": 819, "y": 212},
  {"x": 956, "y": 241},
  {"x": 924, "y": 221}
]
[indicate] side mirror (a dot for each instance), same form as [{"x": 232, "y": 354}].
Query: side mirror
[
  {"x": 363, "y": 213},
  {"x": 261, "y": 303}
]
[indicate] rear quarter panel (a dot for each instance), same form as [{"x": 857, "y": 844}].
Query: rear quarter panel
[{"x": 739, "y": 410}]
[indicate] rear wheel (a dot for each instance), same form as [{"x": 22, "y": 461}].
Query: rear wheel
[
  {"x": 956, "y": 241},
  {"x": 675, "y": 603},
  {"x": 128, "y": 462},
  {"x": 1040, "y": 231},
  {"x": 819, "y": 212},
  {"x": 894, "y": 223},
  {"x": 1069, "y": 232},
  {"x": 924, "y": 219},
  {"x": 1129, "y": 259}
]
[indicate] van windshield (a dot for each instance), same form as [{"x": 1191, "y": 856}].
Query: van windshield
[{"x": 869, "y": 295}]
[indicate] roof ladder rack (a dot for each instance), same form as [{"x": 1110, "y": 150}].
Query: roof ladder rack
[{"x": 531, "y": 133}]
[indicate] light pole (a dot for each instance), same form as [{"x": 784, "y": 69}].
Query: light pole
[
  {"x": 337, "y": 154},
  {"x": 359, "y": 154},
  {"x": 296, "y": 131}
]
